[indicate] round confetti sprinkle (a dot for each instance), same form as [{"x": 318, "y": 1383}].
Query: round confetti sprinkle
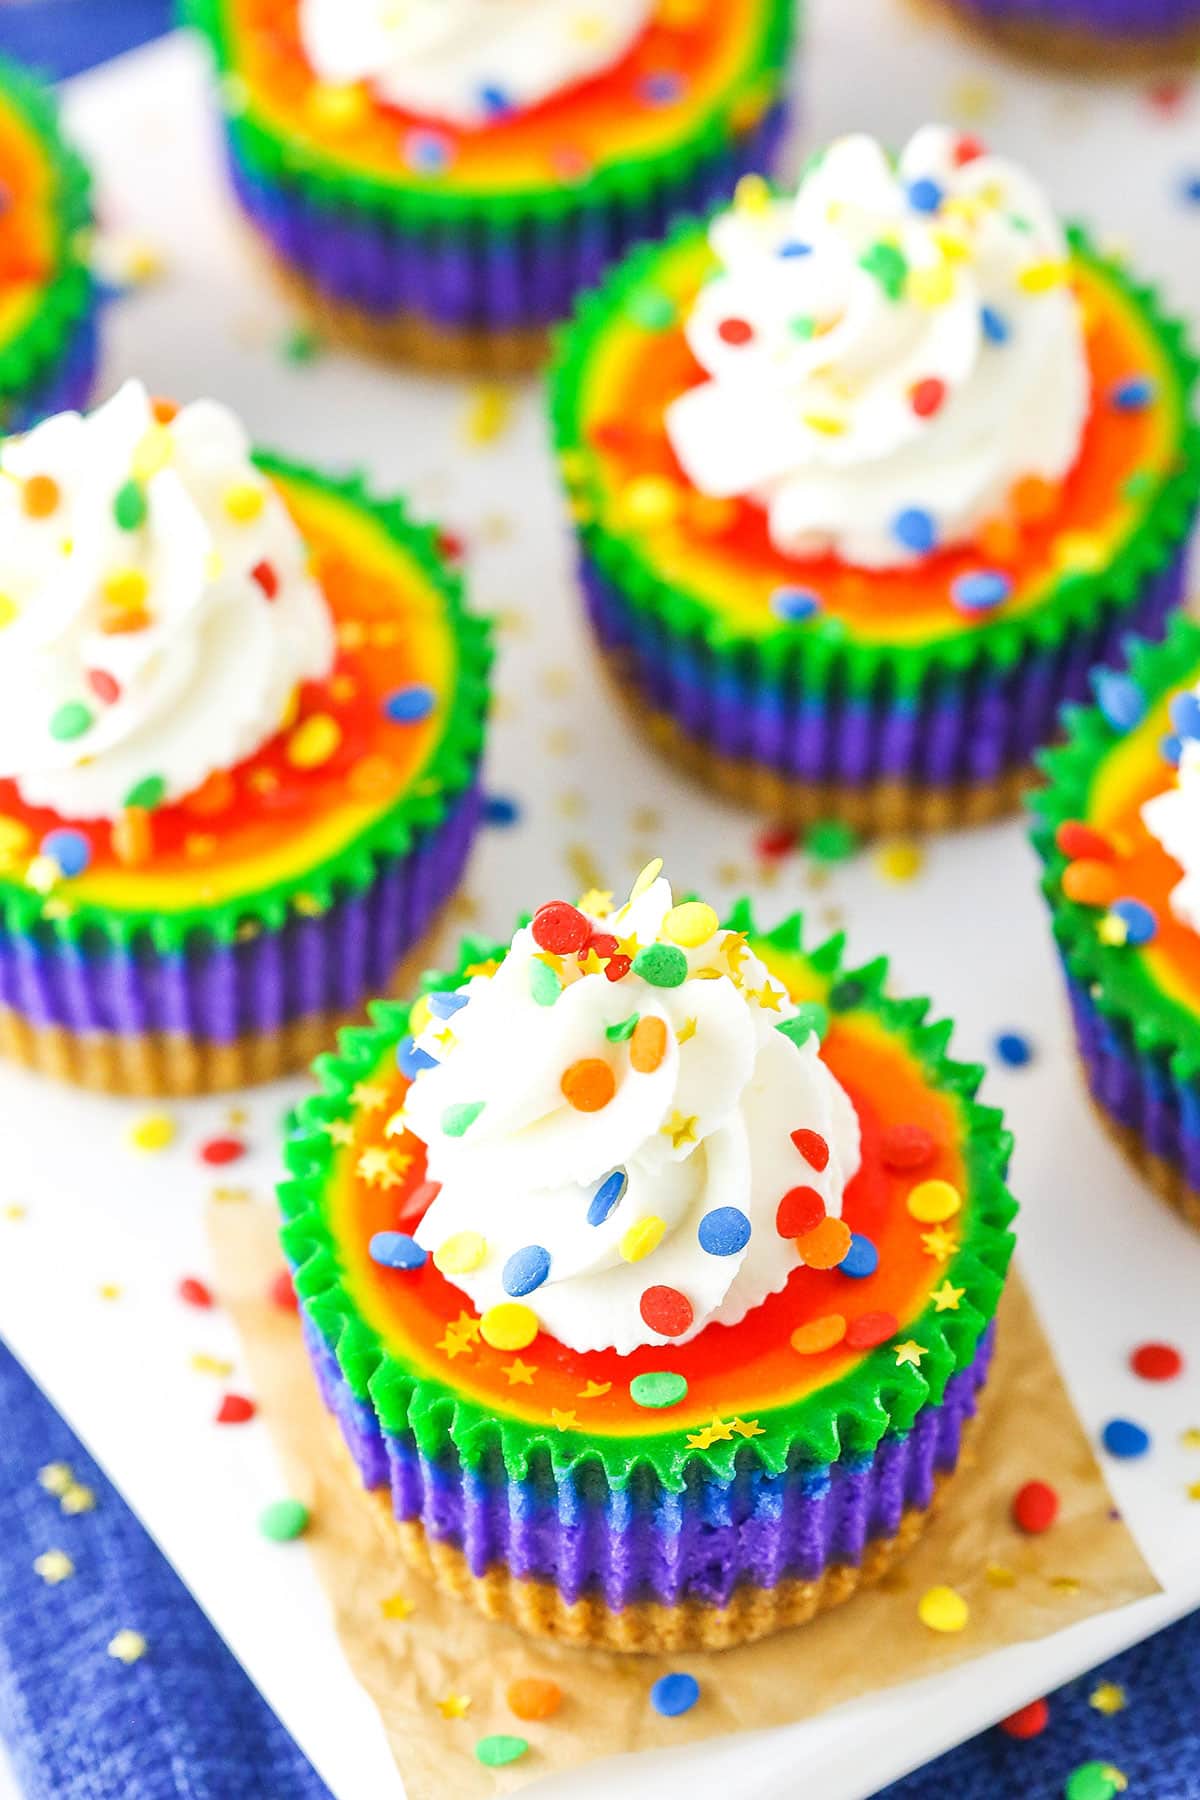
[
  {"x": 1185, "y": 714},
  {"x": 1091, "y": 1781},
  {"x": 812, "y": 1147},
  {"x": 927, "y": 397},
  {"x": 544, "y": 985},
  {"x": 642, "y": 1238},
  {"x": 724, "y": 1231},
  {"x": 409, "y": 705},
  {"x": 284, "y": 1520},
  {"x": 831, "y": 841},
  {"x": 660, "y": 1388},
  {"x": 283, "y": 1291},
  {"x": 146, "y": 794},
  {"x": 1013, "y": 1050},
  {"x": 1035, "y": 1507},
  {"x": 995, "y": 325},
  {"x": 153, "y": 1132},
  {"x": 933, "y": 1202},
  {"x": 1028, "y": 1721},
  {"x": 943, "y": 1609},
  {"x": 525, "y": 1270},
  {"x": 194, "y": 1292},
  {"x": 666, "y": 1310},
  {"x": 235, "y": 1409},
  {"x": 70, "y": 721},
  {"x": 397, "y": 1250},
  {"x": 819, "y": 1334},
  {"x": 560, "y": 928},
  {"x": 588, "y": 1085},
  {"x": 690, "y": 924},
  {"x": 915, "y": 529},
  {"x": 646, "y": 878},
  {"x": 1133, "y": 395},
  {"x": 264, "y": 574},
  {"x": 500, "y": 811},
  {"x": 907, "y": 1147},
  {"x": 1075, "y": 839},
  {"x": 1156, "y": 1362},
  {"x": 313, "y": 743},
  {"x": 445, "y": 1005},
  {"x": 825, "y": 1246},
  {"x": 106, "y": 687},
  {"x": 799, "y": 1212},
  {"x": 862, "y": 1258},
  {"x": 899, "y": 861},
  {"x": 1089, "y": 883},
  {"x": 461, "y": 1252},
  {"x": 40, "y": 496},
  {"x": 981, "y": 591},
  {"x": 499, "y": 1749},
  {"x": 69, "y": 849},
  {"x": 735, "y": 331},
  {"x": 870, "y": 1329},
  {"x": 794, "y": 604},
  {"x": 534, "y": 1697},
  {"x": 924, "y": 194},
  {"x": 662, "y": 965},
  {"x": 648, "y": 1045},
  {"x": 1119, "y": 698},
  {"x": 129, "y": 506},
  {"x": 1125, "y": 1439},
  {"x": 509, "y": 1326},
  {"x": 458, "y": 1119},
  {"x": 221, "y": 1150},
  {"x": 1141, "y": 926},
  {"x": 674, "y": 1694},
  {"x": 607, "y": 1196},
  {"x": 410, "y": 1061}
]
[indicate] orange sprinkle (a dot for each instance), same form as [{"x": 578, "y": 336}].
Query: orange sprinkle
[
  {"x": 534, "y": 1698},
  {"x": 40, "y": 496},
  {"x": 213, "y": 796},
  {"x": 372, "y": 778},
  {"x": 132, "y": 836},
  {"x": 819, "y": 1334},
  {"x": 118, "y": 621},
  {"x": 588, "y": 1085},
  {"x": 999, "y": 540},
  {"x": 1090, "y": 883},
  {"x": 648, "y": 1045},
  {"x": 1034, "y": 499},
  {"x": 825, "y": 1246},
  {"x": 165, "y": 411}
]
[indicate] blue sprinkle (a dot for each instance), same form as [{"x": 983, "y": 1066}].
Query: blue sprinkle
[
  {"x": 861, "y": 1259},
  {"x": 1190, "y": 189},
  {"x": 396, "y": 1250},
  {"x": 1119, "y": 699},
  {"x": 793, "y": 247},
  {"x": 915, "y": 529},
  {"x": 1121, "y": 1437},
  {"x": 1170, "y": 748},
  {"x": 924, "y": 195},
  {"x": 1013, "y": 1049},
  {"x": 69, "y": 849},
  {"x": 498, "y": 810},
  {"x": 494, "y": 100},
  {"x": 1133, "y": 395},
  {"x": 996, "y": 328},
  {"x": 674, "y": 1694},
  {"x": 525, "y": 1270},
  {"x": 795, "y": 604},
  {"x": 444, "y": 1006},
  {"x": 1185, "y": 714},
  {"x": 410, "y": 1061},
  {"x": 409, "y": 705},
  {"x": 724, "y": 1231},
  {"x": 426, "y": 152},
  {"x": 606, "y": 1196},
  {"x": 662, "y": 89},
  {"x": 1141, "y": 926},
  {"x": 981, "y": 591}
]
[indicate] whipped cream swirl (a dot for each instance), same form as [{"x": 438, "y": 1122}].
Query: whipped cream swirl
[
  {"x": 156, "y": 610},
  {"x": 1173, "y": 817},
  {"x": 890, "y": 352},
  {"x": 468, "y": 62},
  {"x": 596, "y": 1138}
]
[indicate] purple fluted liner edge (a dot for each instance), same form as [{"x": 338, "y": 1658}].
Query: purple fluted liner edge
[
  {"x": 975, "y": 727},
  {"x": 481, "y": 280},
  {"x": 1143, "y": 20},
  {"x": 642, "y": 1542},
  {"x": 218, "y": 992},
  {"x": 66, "y": 386}
]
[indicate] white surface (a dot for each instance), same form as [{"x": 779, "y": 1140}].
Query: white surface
[{"x": 1108, "y": 1264}]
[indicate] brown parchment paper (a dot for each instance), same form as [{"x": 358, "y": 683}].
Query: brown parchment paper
[{"x": 1018, "y": 1588}]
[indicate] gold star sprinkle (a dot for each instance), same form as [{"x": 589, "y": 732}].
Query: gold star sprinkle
[
  {"x": 368, "y": 1097},
  {"x": 768, "y": 997},
  {"x": 716, "y": 1432},
  {"x": 686, "y": 1030},
  {"x": 56, "y": 1477},
  {"x": 628, "y": 946},
  {"x": 467, "y": 1327},
  {"x": 596, "y": 902},
  {"x": 594, "y": 1390},
  {"x": 204, "y": 1364},
  {"x": 78, "y": 1499},
  {"x": 1065, "y": 1584},
  {"x": 382, "y": 1167},
  {"x": 733, "y": 948},
  {"x": 397, "y": 1125},
  {"x": 564, "y": 1421},
  {"x": 909, "y": 1354},
  {"x": 518, "y": 1373},
  {"x": 747, "y": 1428},
  {"x": 53, "y": 1566},
  {"x": 1193, "y": 1490},
  {"x": 454, "y": 1706},
  {"x": 946, "y": 1298},
  {"x": 997, "y": 1576},
  {"x": 109, "y": 1290},
  {"x": 1190, "y": 1439},
  {"x": 592, "y": 963},
  {"x": 396, "y": 1606},
  {"x": 1108, "y": 1698},
  {"x": 681, "y": 1130},
  {"x": 127, "y": 1646},
  {"x": 939, "y": 1243},
  {"x": 445, "y": 1037},
  {"x": 453, "y": 1345},
  {"x": 230, "y": 1196}
]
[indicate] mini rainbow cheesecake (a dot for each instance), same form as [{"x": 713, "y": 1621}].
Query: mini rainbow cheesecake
[
  {"x": 649, "y": 1267},
  {"x": 241, "y": 716},
  {"x": 47, "y": 299},
  {"x": 1118, "y": 829},
  {"x": 438, "y": 180},
  {"x": 866, "y": 479}
]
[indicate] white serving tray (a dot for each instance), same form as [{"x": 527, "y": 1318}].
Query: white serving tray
[{"x": 1109, "y": 1266}]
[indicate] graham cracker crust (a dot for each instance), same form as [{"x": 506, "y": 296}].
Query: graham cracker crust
[
  {"x": 1069, "y": 47},
  {"x": 1167, "y": 1181}
]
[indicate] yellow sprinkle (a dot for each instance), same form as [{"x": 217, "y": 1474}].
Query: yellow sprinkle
[
  {"x": 899, "y": 861},
  {"x": 1040, "y": 277},
  {"x": 204, "y": 1364},
  {"x": 154, "y": 452},
  {"x": 752, "y": 195},
  {"x": 127, "y": 1646},
  {"x": 933, "y": 1201},
  {"x": 649, "y": 501},
  {"x": 509, "y": 1326},
  {"x": 243, "y": 502},
  {"x": 126, "y": 588},
  {"x": 396, "y": 1606},
  {"x": 454, "y": 1706},
  {"x": 314, "y": 742},
  {"x": 1108, "y": 1698},
  {"x": 824, "y": 424},
  {"x": 461, "y": 1253},
  {"x": 488, "y": 414},
  {"x": 78, "y": 1499},
  {"x": 53, "y": 1566},
  {"x": 646, "y": 879},
  {"x": 690, "y": 924},
  {"x": 933, "y": 286},
  {"x": 42, "y": 874},
  {"x": 952, "y": 247},
  {"x": 642, "y": 1238},
  {"x": 338, "y": 108},
  {"x": 152, "y": 1132},
  {"x": 55, "y": 1477},
  {"x": 1080, "y": 551},
  {"x": 8, "y": 611},
  {"x": 942, "y": 1609},
  {"x": 419, "y": 1015},
  {"x": 15, "y": 838}
]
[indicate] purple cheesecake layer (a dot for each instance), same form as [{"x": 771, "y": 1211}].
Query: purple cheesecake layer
[
  {"x": 963, "y": 728},
  {"x": 643, "y": 1543},
  {"x": 1137, "y": 1089},
  {"x": 471, "y": 280},
  {"x": 65, "y": 387},
  {"x": 1143, "y": 20},
  {"x": 218, "y": 992}
]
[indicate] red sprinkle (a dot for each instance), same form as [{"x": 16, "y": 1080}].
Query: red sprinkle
[
  {"x": 266, "y": 578},
  {"x": 282, "y": 1292},
  {"x": 106, "y": 687},
  {"x": 418, "y": 1203},
  {"x": 1075, "y": 839},
  {"x": 222, "y": 1150},
  {"x": 968, "y": 149},
  {"x": 612, "y": 434},
  {"x": 927, "y": 397},
  {"x": 1035, "y": 1507},
  {"x": 907, "y": 1147},
  {"x": 451, "y": 546},
  {"x": 812, "y": 1147},
  {"x": 666, "y": 1310},
  {"x": 799, "y": 1212},
  {"x": 235, "y": 1409},
  {"x": 779, "y": 841},
  {"x": 1028, "y": 1721},
  {"x": 735, "y": 331},
  {"x": 870, "y": 1329},
  {"x": 194, "y": 1293},
  {"x": 560, "y": 928},
  {"x": 602, "y": 942},
  {"x": 617, "y": 967},
  {"x": 1156, "y": 1362}
]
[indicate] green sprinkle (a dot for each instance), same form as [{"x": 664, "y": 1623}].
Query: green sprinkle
[
  {"x": 1091, "y": 1781},
  {"x": 129, "y": 506},
  {"x": 845, "y": 995},
  {"x": 497, "y": 1751},
  {"x": 616, "y": 1034},
  {"x": 284, "y": 1520},
  {"x": 71, "y": 721},
  {"x": 662, "y": 1388},
  {"x": 888, "y": 265},
  {"x": 662, "y": 965},
  {"x": 831, "y": 840},
  {"x": 652, "y": 309},
  {"x": 458, "y": 1119},
  {"x": 146, "y": 793},
  {"x": 544, "y": 984},
  {"x": 301, "y": 346},
  {"x": 810, "y": 1017},
  {"x": 1139, "y": 485},
  {"x": 803, "y": 327}
]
